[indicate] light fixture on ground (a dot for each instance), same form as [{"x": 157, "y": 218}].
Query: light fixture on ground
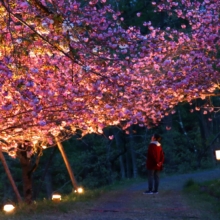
[
  {"x": 56, "y": 197},
  {"x": 217, "y": 154},
  {"x": 79, "y": 190},
  {"x": 8, "y": 208}
]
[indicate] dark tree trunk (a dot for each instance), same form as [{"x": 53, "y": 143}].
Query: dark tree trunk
[
  {"x": 132, "y": 152},
  {"x": 26, "y": 176},
  {"x": 119, "y": 145},
  {"x": 44, "y": 176},
  {"x": 122, "y": 167},
  {"x": 190, "y": 144},
  {"x": 48, "y": 184},
  {"x": 127, "y": 158},
  {"x": 128, "y": 164},
  {"x": 205, "y": 131}
]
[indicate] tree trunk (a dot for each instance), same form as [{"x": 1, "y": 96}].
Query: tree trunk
[
  {"x": 132, "y": 152},
  {"x": 128, "y": 164},
  {"x": 192, "y": 146},
  {"x": 127, "y": 158},
  {"x": 108, "y": 163},
  {"x": 49, "y": 161},
  {"x": 48, "y": 185},
  {"x": 205, "y": 133},
  {"x": 26, "y": 176},
  {"x": 69, "y": 169},
  {"x": 185, "y": 133},
  {"x": 7, "y": 171},
  {"x": 122, "y": 167},
  {"x": 121, "y": 162}
]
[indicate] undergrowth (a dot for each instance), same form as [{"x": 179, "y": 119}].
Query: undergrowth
[{"x": 204, "y": 195}]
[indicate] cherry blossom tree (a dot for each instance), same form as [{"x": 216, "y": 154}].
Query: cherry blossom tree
[{"x": 68, "y": 65}]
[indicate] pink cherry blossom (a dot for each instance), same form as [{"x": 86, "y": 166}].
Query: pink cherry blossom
[
  {"x": 78, "y": 68},
  {"x": 111, "y": 137}
]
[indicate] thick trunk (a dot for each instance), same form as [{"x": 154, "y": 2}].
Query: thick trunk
[
  {"x": 7, "y": 171},
  {"x": 26, "y": 176}
]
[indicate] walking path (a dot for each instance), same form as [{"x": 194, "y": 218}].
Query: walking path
[
  {"x": 131, "y": 204},
  {"x": 170, "y": 203}
]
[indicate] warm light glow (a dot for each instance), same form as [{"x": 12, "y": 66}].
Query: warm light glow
[
  {"x": 79, "y": 190},
  {"x": 217, "y": 154},
  {"x": 8, "y": 208},
  {"x": 56, "y": 197},
  {"x": 44, "y": 146}
]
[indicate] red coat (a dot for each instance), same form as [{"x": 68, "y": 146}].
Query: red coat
[{"x": 155, "y": 156}]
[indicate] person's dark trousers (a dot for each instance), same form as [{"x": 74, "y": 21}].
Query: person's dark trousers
[{"x": 153, "y": 180}]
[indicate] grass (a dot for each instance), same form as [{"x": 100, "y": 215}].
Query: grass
[
  {"x": 74, "y": 202},
  {"x": 204, "y": 196}
]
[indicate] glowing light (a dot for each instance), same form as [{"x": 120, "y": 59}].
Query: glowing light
[
  {"x": 56, "y": 197},
  {"x": 8, "y": 208},
  {"x": 44, "y": 146},
  {"x": 79, "y": 190},
  {"x": 217, "y": 154}
]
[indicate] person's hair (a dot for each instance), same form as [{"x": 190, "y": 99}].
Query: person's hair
[{"x": 157, "y": 137}]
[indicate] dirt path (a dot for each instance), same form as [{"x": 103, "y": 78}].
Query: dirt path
[
  {"x": 131, "y": 204},
  {"x": 170, "y": 203}
]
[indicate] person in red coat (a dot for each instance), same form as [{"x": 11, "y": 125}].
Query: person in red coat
[{"x": 154, "y": 163}]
